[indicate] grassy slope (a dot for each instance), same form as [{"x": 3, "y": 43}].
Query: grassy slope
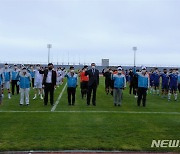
[{"x": 104, "y": 131}]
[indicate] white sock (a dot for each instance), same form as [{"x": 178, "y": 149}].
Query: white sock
[
  {"x": 169, "y": 96},
  {"x": 154, "y": 91},
  {"x": 158, "y": 92},
  {"x": 175, "y": 96}
]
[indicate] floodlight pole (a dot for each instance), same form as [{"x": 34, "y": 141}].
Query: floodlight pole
[
  {"x": 49, "y": 46},
  {"x": 134, "y": 49}
]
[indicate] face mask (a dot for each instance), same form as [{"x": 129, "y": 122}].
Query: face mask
[
  {"x": 119, "y": 72},
  {"x": 38, "y": 68},
  {"x": 72, "y": 71},
  {"x": 85, "y": 69},
  {"x": 93, "y": 67},
  {"x": 15, "y": 67},
  {"x": 111, "y": 71},
  {"x": 50, "y": 68},
  {"x": 165, "y": 72},
  {"x": 6, "y": 67},
  {"x": 143, "y": 71}
]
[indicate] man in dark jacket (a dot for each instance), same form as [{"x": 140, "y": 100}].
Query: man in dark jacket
[
  {"x": 93, "y": 74},
  {"x": 49, "y": 82}
]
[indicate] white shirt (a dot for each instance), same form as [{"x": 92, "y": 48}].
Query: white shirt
[
  {"x": 38, "y": 77},
  {"x": 49, "y": 77}
]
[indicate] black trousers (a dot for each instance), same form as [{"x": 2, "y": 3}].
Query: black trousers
[
  {"x": 71, "y": 95},
  {"x": 14, "y": 84},
  {"x": 91, "y": 89},
  {"x": 32, "y": 84},
  {"x": 49, "y": 88},
  {"x": 84, "y": 88},
  {"x": 142, "y": 93},
  {"x": 130, "y": 87}
]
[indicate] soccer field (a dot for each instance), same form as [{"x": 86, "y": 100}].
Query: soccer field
[{"x": 81, "y": 127}]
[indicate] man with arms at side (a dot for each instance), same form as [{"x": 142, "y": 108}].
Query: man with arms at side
[
  {"x": 49, "y": 83},
  {"x": 93, "y": 83}
]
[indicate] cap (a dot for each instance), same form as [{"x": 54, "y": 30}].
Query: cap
[
  {"x": 143, "y": 67},
  {"x": 120, "y": 68}
]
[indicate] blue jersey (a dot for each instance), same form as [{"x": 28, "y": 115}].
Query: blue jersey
[
  {"x": 143, "y": 80},
  {"x": 178, "y": 78},
  {"x": 7, "y": 76},
  {"x": 72, "y": 80},
  {"x": 165, "y": 79},
  {"x": 32, "y": 73},
  {"x": 119, "y": 81},
  {"x": 152, "y": 77},
  {"x": 156, "y": 78},
  {"x": 1, "y": 79},
  {"x": 173, "y": 79},
  {"x": 25, "y": 80},
  {"x": 15, "y": 75}
]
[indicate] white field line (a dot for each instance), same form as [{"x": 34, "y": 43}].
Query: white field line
[
  {"x": 118, "y": 112},
  {"x": 57, "y": 102}
]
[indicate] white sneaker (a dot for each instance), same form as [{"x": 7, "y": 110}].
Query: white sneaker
[
  {"x": 9, "y": 96},
  {"x": 34, "y": 97},
  {"x": 136, "y": 96},
  {"x": 41, "y": 97}
]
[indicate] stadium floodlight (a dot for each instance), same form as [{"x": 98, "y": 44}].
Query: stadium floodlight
[
  {"x": 49, "y": 46},
  {"x": 134, "y": 49}
]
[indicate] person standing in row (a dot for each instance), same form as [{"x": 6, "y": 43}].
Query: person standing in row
[
  {"x": 7, "y": 80},
  {"x": 49, "y": 83},
  {"x": 32, "y": 72},
  {"x": 93, "y": 83},
  {"x": 143, "y": 85},
  {"x": 38, "y": 78},
  {"x": 173, "y": 85},
  {"x": 24, "y": 82},
  {"x": 84, "y": 82},
  {"x": 15, "y": 79},
  {"x": 72, "y": 79},
  {"x": 119, "y": 85}
]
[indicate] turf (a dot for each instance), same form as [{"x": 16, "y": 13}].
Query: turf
[{"x": 83, "y": 130}]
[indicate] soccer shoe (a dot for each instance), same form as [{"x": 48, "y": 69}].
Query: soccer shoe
[
  {"x": 34, "y": 97},
  {"x": 41, "y": 96},
  {"x": 9, "y": 96}
]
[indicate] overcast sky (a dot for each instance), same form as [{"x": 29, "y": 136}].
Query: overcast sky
[{"x": 89, "y": 30}]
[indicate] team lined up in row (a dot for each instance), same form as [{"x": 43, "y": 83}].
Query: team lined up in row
[
  {"x": 115, "y": 82},
  {"x": 22, "y": 78},
  {"x": 170, "y": 81}
]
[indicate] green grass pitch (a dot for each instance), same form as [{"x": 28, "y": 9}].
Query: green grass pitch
[{"x": 130, "y": 128}]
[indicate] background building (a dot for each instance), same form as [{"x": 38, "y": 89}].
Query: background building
[{"x": 105, "y": 62}]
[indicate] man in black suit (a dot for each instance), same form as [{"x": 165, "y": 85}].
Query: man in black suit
[
  {"x": 49, "y": 82},
  {"x": 93, "y": 74}
]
